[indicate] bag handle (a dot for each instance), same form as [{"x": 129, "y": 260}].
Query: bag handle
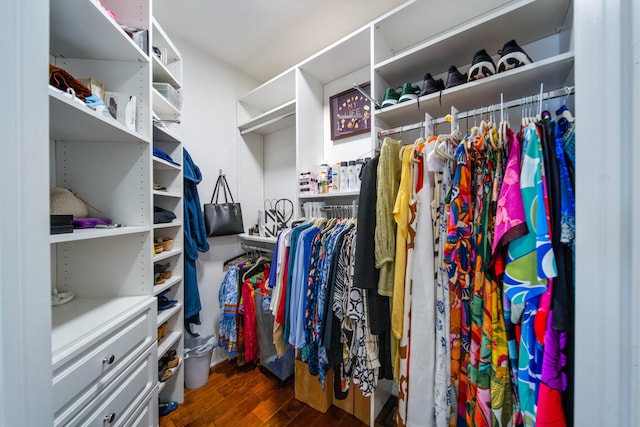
[{"x": 222, "y": 182}]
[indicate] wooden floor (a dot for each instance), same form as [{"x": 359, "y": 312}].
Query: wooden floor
[{"x": 245, "y": 397}]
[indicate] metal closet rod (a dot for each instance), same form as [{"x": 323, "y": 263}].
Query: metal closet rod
[
  {"x": 255, "y": 248},
  {"x": 565, "y": 91}
]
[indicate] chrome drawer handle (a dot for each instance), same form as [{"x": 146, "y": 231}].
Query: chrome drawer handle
[
  {"x": 109, "y": 359},
  {"x": 109, "y": 418}
]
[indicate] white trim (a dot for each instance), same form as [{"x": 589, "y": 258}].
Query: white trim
[
  {"x": 607, "y": 297},
  {"x": 25, "y": 312}
]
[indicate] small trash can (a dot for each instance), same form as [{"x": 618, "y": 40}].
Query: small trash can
[{"x": 197, "y": 360}]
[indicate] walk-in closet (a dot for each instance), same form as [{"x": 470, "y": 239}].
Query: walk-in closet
[{"x": 404, "y": 213}]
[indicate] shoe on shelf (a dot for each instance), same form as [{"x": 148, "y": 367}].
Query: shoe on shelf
[
  {"x": 512, "y": 56},
  {"x": 431, "y": 85},
  {"x": 164, "y": 374},
  {"x": 455, "y": 77},
  {"x": 170, "y": 359},
  {"x": 482, "y": 66},
  {"x": 409, "y": 92},
  {"x": 167, "y": 407},
  {"x": 391, "y": 97}
]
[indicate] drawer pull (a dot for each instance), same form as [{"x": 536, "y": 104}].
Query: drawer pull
[
  {"x": 109, "y": 418},
  {"x": 109, "y": 359}
]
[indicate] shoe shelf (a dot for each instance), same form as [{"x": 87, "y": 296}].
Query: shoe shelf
[
  {"x": 95, "y": 36},
  {"x": 173, "y": 280},
  {"x": 70, "y": 120},
  {"x": 167, "y": 254},
  {"x": 172, "y": 378},
  {"x": 278, "y": 118},
  {"x": 513, "y": 84},
  {"x": 163, "y": 108},
  {"x": 168, "y": 342},
  {"x": 526, "y": 21},
  {"x": 96, "y": 233},
  {"x": 165, "y": 315}
]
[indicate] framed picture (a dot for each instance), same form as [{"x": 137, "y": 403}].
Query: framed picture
[
  {"x": 350, "y": 112},
  {"x": 95, "y": 86}
]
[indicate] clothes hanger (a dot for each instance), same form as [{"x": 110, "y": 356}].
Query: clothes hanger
[{"x": 563, "y": 112}]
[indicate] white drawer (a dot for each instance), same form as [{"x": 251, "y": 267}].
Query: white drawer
[
  {"x": 146, "y": 415},
  {"x": 123, "y": 397},
  {"x": 86, "y": 374}
]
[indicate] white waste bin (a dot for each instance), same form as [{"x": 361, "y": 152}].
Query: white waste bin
[{"x": 197, "y": 360}]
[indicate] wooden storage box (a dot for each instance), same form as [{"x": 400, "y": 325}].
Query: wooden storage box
[{"x": 309, "y": 390}]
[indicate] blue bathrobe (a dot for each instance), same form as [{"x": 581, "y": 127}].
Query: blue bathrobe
[{"x": 195, "y": 240}]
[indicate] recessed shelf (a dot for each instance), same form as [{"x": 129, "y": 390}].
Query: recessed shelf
[
  {"x": 161, "y": 73},
  {"x": 174, "y": 223},
  {"x": 159, "y": 163},
  {"x": 167, "y": 194},
  {"x": 168, "y": 341},
  {"x": 70, "y": 120},
  {"x": 164, "y": 134},
  {"x": 96, "y": 233},
  {"x": 513, "y": 84}
]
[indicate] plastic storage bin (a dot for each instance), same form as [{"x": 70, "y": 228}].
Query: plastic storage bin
[
  {"x": 281, "y": 367},
  {"x": 170, "y": 93}
]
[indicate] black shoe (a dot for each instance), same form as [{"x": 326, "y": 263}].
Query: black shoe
[
  {"x": 455, "y": 77},
  {"x": 512, "y": 56},
  {"x": 481, "y": 66},
  {"x": 431, "y": 85}
]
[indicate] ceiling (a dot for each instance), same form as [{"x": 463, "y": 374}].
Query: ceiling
[{"x": 262, "y": 38}]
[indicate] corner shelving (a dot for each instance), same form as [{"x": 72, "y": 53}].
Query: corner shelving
[{"x": 167, "y": 68}]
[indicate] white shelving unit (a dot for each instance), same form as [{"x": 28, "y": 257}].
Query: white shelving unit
[
  {"x": 103, "y": 355},
  {"x": 169, "y": 175},
  {"x": 400, "y": 47}
]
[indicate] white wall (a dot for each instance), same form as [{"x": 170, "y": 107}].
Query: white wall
[{"x": 208, "y": 130}]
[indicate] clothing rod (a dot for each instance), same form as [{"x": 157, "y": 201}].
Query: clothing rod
[
  {"x": 255, "y": 248},
  {"x": 268, "y": 122},
  {"x": 495, "y": 107}
]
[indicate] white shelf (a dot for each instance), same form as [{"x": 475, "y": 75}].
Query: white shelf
[
  {"x": 167, "y": 254},
  {"x": 167, "y": 194},
  {"x": 513, "y": 84},
  {"x": 72, "y": 121},
  {"x": 168, "y": 341},
  {"x": 164, "y": 134},
  {"x": 162, "y": 385},
  {"x": 278, "y": 118},
  {"x": 164, "y": 315},
  {"x": 160, "y": 39},
  {"x": 163, "y": 108},
  {"x": 331, "y": 63},
  {"x": 175, "y": 223},
  {"x": 96, "y": 233},
  {"x": 74, "y": 323},
  {"x": 278, "y": 91},
  {"x": 258, "y": 239},
  {"x": 526, "y": 21},
  {"x": 350, "y": 194},
  {"x": 82, "y": 29},
  {"x": 161, "y": 73},
  {"x": 173, "y": 280},
  {"x": 159, "y": 163}
]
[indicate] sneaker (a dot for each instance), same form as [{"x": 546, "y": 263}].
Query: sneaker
[
  {"x": 512, "y": 56},
  {"x": 409, "y": 92},
  {"x": 391, "y": 97},
  {"x": 481, "y": 66},
  {"x": 431, "y": 85},
  {"x": 455, "y": 77}
]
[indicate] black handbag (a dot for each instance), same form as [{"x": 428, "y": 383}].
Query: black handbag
[{"x": 222, "y": 219}]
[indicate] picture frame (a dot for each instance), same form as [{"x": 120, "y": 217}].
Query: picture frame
[
  {"x": 351, "y": 112},
  {"x": 95, "y": 86}
]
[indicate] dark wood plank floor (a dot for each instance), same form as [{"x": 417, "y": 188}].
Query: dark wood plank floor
[{"x": 245, "y": 397}]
